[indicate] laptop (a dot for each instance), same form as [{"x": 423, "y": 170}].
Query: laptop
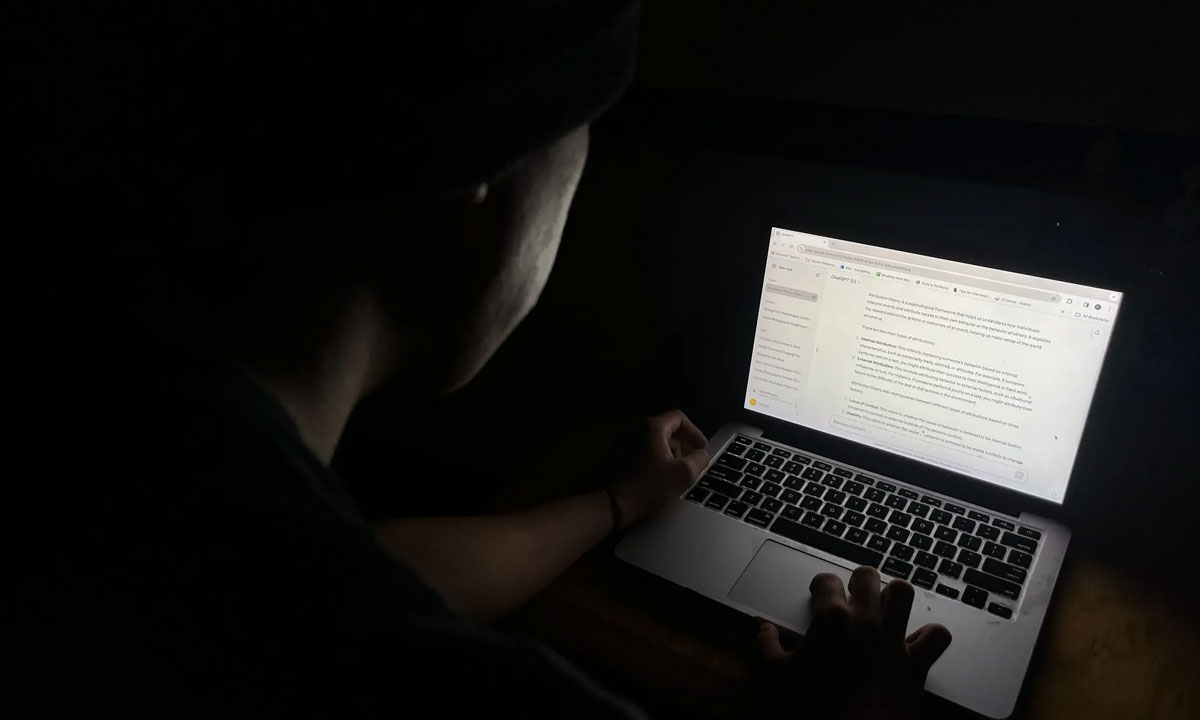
[{"x": 913, "y": 413}]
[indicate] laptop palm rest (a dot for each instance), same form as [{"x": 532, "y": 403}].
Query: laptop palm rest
[{"x": 776, "y": 583}]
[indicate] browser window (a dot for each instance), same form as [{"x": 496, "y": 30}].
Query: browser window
[{"x": 981, "y": 371}]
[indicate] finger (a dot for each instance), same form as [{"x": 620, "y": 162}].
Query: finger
[
  {"x": 695, "y": 462},
  {"x": 896, "y": 601},
  {"x": 675, "y": 447},
  {"x": 864, "y": 591},
  {"x": 828, "y": 595},
  {"x": 927, "y": 644},
  {"x": 689, "y": 433},
  {"x": 769, "y": 645}
]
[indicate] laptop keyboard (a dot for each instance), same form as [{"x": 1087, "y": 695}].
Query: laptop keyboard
[{"x": 932, "y": 541}]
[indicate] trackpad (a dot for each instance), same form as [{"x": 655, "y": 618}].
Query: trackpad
[{"x": 776, "y": 583}]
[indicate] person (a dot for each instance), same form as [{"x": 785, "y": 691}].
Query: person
[{"x": 296, "y": 202}]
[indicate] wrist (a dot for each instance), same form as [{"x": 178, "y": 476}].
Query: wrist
[{"x": 622, "y": 511}]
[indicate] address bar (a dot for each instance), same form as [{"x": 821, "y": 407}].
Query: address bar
[{"x": 993, "y": 285}]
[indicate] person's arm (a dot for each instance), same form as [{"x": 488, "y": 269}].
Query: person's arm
[{"x": 488, "y": 566}]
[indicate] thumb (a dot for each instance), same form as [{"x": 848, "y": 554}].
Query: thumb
[
  {"x": 695, "y": 462},
  {"x": 768, "y": 644}
]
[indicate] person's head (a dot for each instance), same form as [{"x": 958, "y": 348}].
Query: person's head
[{"x": 266, "y": 169}]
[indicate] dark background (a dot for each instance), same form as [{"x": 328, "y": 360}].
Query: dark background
[{"x": 1059, "y": 140}]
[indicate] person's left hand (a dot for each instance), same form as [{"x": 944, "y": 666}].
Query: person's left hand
[{"x": 666, "y": 455}]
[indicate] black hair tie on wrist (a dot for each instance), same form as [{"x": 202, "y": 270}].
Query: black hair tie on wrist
[{"x": 618, "y": 521}]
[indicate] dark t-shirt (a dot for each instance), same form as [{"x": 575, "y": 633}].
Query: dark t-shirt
[{"x": 201, "y": 561}]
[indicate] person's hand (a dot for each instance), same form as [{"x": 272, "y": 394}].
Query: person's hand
[
  {"x": 855, "y": 661},
  {"x": 657, "y": 464}
]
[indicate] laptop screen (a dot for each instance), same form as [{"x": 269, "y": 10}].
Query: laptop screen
[{"x": 985, "y": 372}]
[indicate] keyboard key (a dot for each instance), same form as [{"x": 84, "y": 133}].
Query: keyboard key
[
  {"x": 896, "y": 568},
  {"x": 697, "y": 494},
  {"x": 1011, "y": 573},
  {"x": 945, "y": 549},
  {"x": 988, "y": 532},
  {"x": 771, "y": 504},
  {"x": 998, "y": 609},
  {"x": 736, "y": 449},
  {"x": 793, "y": 482},
  {"x": 921, "y": 542},
  {"x": 899, "y": 518},
  {"x": 948, "y": 591},
  {"x": 877, "y": 511},
  {"x": 811, "y": 503},
  {"x": 775, "y": 476},
  {"x": 751, "y": 482},
  {"x": 741, "y": 439},
  {"x": 956, "y": 509},
  {"x": 931, "y": 501},
  {"x": 773, "y": 461},
  {"x": 975, "y": 597},
  {"x": 885, "y": 486},
  {"x": 755, "y": 455},
  {"x": 1023, "y": 544},
  {"x": 822, "y": 465},
  {"x": 991, "y": 549},
  {"x": 854, "y": 519},
  {"x": 762, "y": 446},
  {"x": 731, "y": 461},
  {"x": 812, "y": 474},
  {"x": 812, "y": 519},
  {"x": 905, "y": 492},
  {"x": 835, "y": 496},
  {"x": 736, "y": 509},
  {"x": 898, "y": 534},
  {"x": 791, "y": 512},
  {"x": 895, "y": 501},
  {"x": 751, "y": 498},
  {"x": 755, "y": 469},
  {"x": 857, "y": 535},
  {"x": 716, "y": 502},
  {"x": 801, "y": 459},
  {"x": 923, "y": 578},
  {"x": 976, "y": 515},
  {"x": 875, "y": 495},
  {"x": 843, "y": 472},
  {"x": 876, "y": 526},
  {"x": 864, "y": 479},
  {"x": 771, "y": 490},
  {"x": 790, "y": 496},
  {"x": 781, "y": 452},
  {"x": 879, "y": 543},
  {"x": 951, "y": 568},
  {"x": 992, "y": 583},
  {"x": 724, "y": 473},
  {"x": 853, "y": 488},
  {"x": 836, "y": 546},
  {"x": 969, "y": 542},
  {"x": 792, "y": 467},
  {"x": 1020, "y": 559},
  {"x": 1030, "y": 533},
  {"x": 759, "y": 517},
  {"x": 916, "y": 509},
  {"x": 1003, "y": 524},
  {"x": 833, "y": 511},
  {"x": 945, "y": 533},
  {"x": 728, "y": 489},
  {"x": 970, "y": 559},
  {"x": 924, "y": 527},
  {"x": 856, "y": 503},
  {"x": 964, "y": 524},
  {"x": 926, "y": 560},
  {"x": 834, "y": 527},
  {"x": 903, "y": 552},
  {"x": 832, "y": 481},
  {"x": 814, "y": 489},
  {"x": 940, "y": 516}
]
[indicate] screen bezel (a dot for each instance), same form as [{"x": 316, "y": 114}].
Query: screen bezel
[{"x": 932, "y": 477}]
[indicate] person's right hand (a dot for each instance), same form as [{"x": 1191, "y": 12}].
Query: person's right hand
[{"x": 855, "y": 661}]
